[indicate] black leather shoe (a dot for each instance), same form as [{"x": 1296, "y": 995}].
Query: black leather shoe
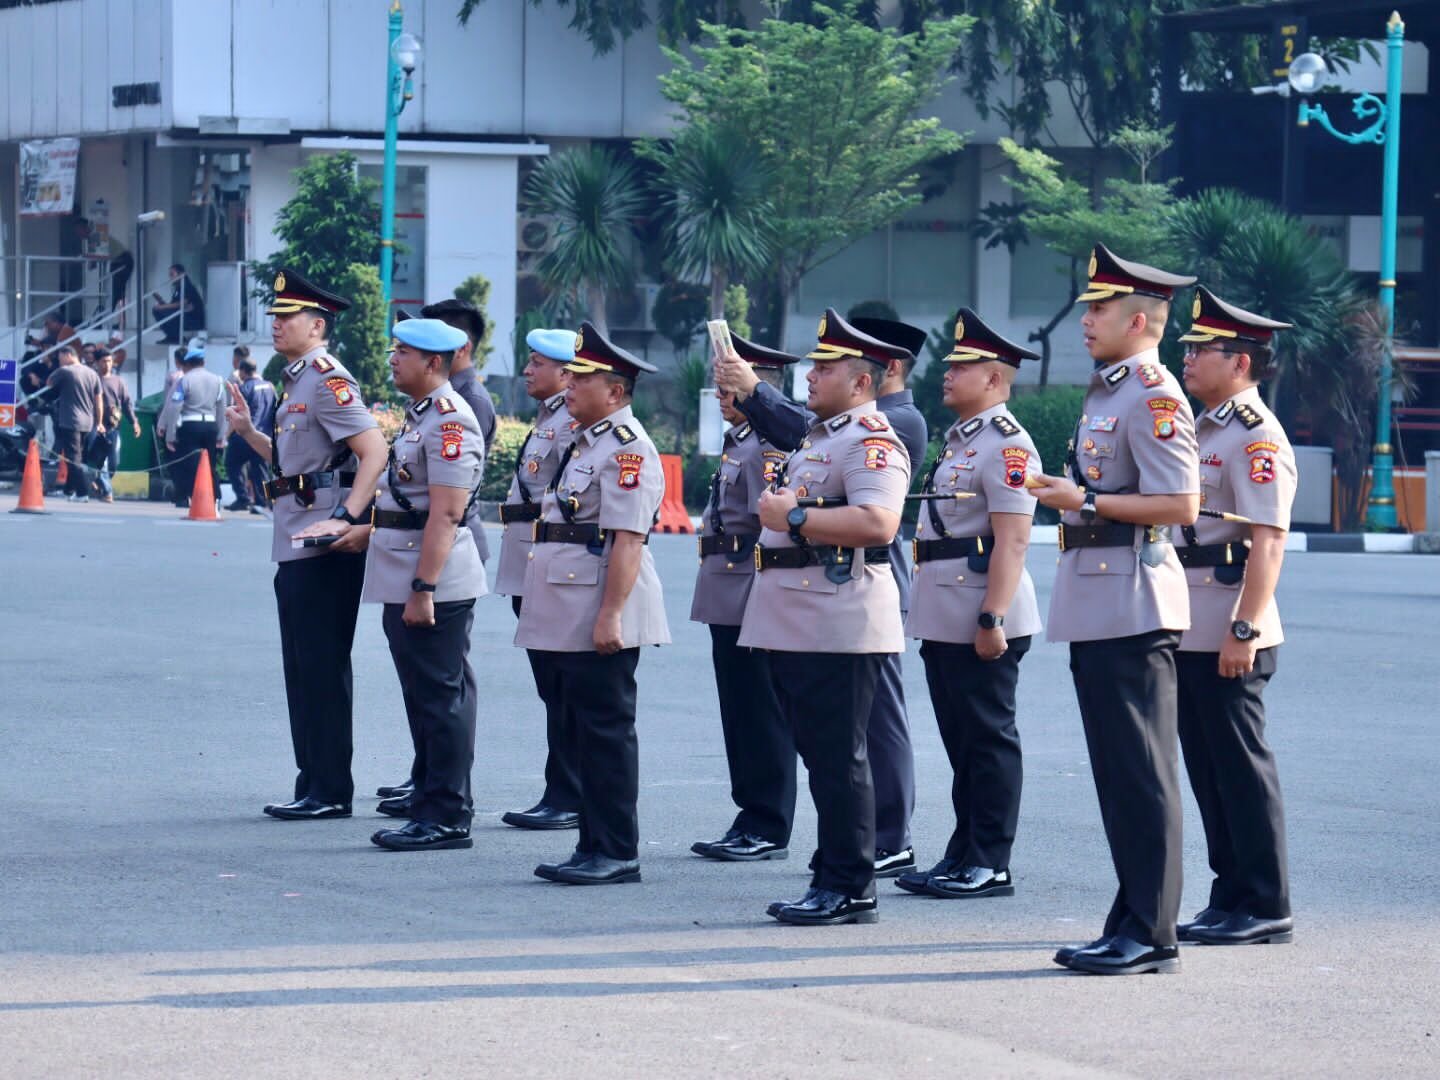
[
  {"x": 1066, "y": 953},
  {"x": 307, "y": 809},
  {"x": 971, "y": 881},
  {"x": 1123, "y": 956},
  {"x": 396, "y": 791},
  {"x": 1209, "y": 917},
  {"x": 397, "y": 807},
  {"x": 821, "y": 907},
  {"x": 541, "y": 816},
  {"x": 914, "y": 880},
  {"x": 702, "y": 847},
  {"x": 237, "y": 505},
  {"x": 1242, "y": 929},
  {"x": 422, "y": 836},
  {"x": 746, "y": 848},
  {"x": 599, "y": 870},
  {"x": 548, "y": 870},
  {"x": 893, "y": 863}
]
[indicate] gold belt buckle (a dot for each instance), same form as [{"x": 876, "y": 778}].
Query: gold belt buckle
[
  {"x": 535, "y": 531},
  {"x": 759, "y": 558}
]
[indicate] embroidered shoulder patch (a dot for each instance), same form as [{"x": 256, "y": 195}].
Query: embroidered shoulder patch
[
  {"x": 1017, "y": 464},
  {"x": 339, "y": 387},
  {"x": 1262, "y": 468},
  {"x": 839, "y": 422},
  {"x": 1256, "y": 447},
  {"x": 1248, "y": 416},
  {"x": 1163, "y": 410},
  {"x": 877, "y": 452},
  {"x": 1150, "y": 375},
  {"x": 443, "y": 405},
  {"x": 452, "y": 439},
  {"x": 1005, "y": 425},
  {"x": 625, "y": 435},
  {"x": 324, "y": 365},
  {"x": 1117, "y": 376},
  {"x": 773, "y": 461},
  {"x": 629, "y": 469},
  {"x": 874, "y": 422}
]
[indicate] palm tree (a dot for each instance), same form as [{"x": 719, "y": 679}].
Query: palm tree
[
  {"x": 712, "y": 186},
  {"x": 593, "y": 196}
]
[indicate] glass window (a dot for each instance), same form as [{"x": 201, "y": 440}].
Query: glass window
[
  {"x": 933, "y": 252},
  {"x": 407, "y": 279}
]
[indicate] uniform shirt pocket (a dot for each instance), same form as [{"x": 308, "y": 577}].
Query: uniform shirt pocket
[
  {"x": 957, "y": 478},
  {"x": 1096, "y": 561},
  {"x": 808, "y": 579},
  {"x": 293, "y": 421},
  {"x": 957, "y": 574},
  {"x": 573, "y": 566},
  {"x": 808, "y": 479},
  {"x": 398, "y": 539}
]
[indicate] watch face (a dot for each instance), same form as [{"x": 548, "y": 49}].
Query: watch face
[{"x": 796, "y": 517}]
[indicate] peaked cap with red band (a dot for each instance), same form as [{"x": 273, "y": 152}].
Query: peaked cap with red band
[
  {"x": 836, "y": 339},
  {"x": 759, "y": 355},
  {"x": 1212, "y": 319},
  {"x": 976, "y": 343},
  {"x": 293, "y": 293},
  {"x": 1112, "y": 276},
  {"x": 593, "y": 352}
]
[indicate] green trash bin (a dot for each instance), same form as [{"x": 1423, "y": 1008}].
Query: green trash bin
[{"x": 137, "y": 454}]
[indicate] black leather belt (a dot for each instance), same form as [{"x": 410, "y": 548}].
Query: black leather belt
[
  {"x": 951, "y": 547},
  {"x": 727, "y": 544},
  {"x": 399, "y": 519},
  {"x": 1232, "y": 554},
  {"x": 797, "y": 557},
  {"x": 302, "y": 482},
  {"x": 513, "y": 512},
  {"x": 1111, "y": 534},
  {"x": 546, "y": 532}
]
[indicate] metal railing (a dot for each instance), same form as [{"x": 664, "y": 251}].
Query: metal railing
[{"x": 24, "y": 274}]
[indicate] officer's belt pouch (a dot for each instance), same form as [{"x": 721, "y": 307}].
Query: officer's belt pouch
[
  {"x": 1154, "y": 544},
  {"x": 1230, "y": 575},
  {"x": 979, "y": 564}
]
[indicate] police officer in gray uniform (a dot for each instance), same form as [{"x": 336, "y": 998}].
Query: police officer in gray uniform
[
  {"x": 974, "y": 608},
  {"x": 592, "y": 599},
  {"x": 759, "y": 747},
  {"x": 194, "y": 420},
  {"x": 326, "y": 457},
  {"x": 546, "y": 380},
  {"x": 1121, "y": 602},
  {"x": 423, "y": 567},
  {"x": 1226, "y": 658},
  {"x": 825, "y": 605}
]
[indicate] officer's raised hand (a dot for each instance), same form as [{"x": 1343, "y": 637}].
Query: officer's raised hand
[
  {"x": 734, "y": 376},
  {"x": 1056, "y": 492},
  {"x": 774, "y": 508},
  {"x": 237, "y": 413}
]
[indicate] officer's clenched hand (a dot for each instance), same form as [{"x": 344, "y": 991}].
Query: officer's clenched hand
[
  {"x": 1056, "y": 492},
  {"x": 774, "y": 506},
  {"x": 1237, "y": 657},
  {"x": 990, "y": 644},
  {"x": 237, "y": 413},
  {"x": 419, "y": 610},
  {"x": 607, "y": 635}
]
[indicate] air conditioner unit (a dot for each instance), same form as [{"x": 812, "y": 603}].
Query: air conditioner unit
[
  {"x": 534, "y": 235},
  {"x": 633, "y": 309}
]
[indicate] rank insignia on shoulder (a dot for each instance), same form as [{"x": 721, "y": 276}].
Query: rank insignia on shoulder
[
  {"x": 1005, "y": 425},
  {"x": 295, "y": 369},
  {"x": 743, "y": 432},
  {"x": 1150, "y": 375},
  {"x": 443, "y": 405},
  {"x": 629, "y": 469},
  {"x": 1223, "y": 413},
  {"x": 600, "y": 428},
  {"x": 625, "y": 435},
  {"x": 340, "y": 388},
  {"x": 839, "y": 421},
  {"x": 423, "y": 406},
  {"x": 874, "y": 422},
  {"x": 1248, "y": 416},
  {"x": 970, "y": 427},
  {"x": 1116, "y": 376},
  {"x": 324, "y": 365}
]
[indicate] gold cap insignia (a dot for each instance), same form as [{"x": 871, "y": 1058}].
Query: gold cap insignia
[
  {"x": 579, "y": 340},
  {"x": 1094, "y": 264},
  {"x": 959, "y": 328},
  {"x": 820, "y": 333},
  {"x": 280, "y": 282},
  {"x": 1195, "y": 307}
]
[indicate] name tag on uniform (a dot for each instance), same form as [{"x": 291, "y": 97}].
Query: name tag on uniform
[
  {"x": 823, "y": 459},
  {"x": 588, "y": 470},
  {"x": 1104, "y": 423}
]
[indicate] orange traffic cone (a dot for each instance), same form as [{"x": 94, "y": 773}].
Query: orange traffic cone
[
  {"x": 203, "y": 504},
  {"x": 32, "y": 484},
  {"x": 62, "y": 474}
]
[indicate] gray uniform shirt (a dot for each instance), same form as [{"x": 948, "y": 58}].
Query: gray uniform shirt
[
  {"x": 989, "y": 455},
  {"x": 614, "y": 474},
  {"x": 75, "y": 388},
  {"x": 440, "y": 445},
  {"x": 1135, "y": 436},
  {"x": 467, "y": 386},
  {"x": 320, "y": 408},
  {"x": 748, "y": 465},
  {"x": 535, "y": 467},
  {"x": 198, "y": 395},
  {"x": 1247, "y": 467},
  {"x": 858, "y": 455}
]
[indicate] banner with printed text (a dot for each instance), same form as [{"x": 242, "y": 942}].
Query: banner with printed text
[{"x": 47, "y": 177}]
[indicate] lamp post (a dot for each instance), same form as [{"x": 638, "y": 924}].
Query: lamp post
[
  {"x": 401, "y": 58},
  {"x": 1305, "y": 76}
]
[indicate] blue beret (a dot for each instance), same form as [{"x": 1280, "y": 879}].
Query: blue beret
[
  {"x": 196, "y": 351},
  {"x": 430, "y": 335},
  {"x": 553, "y": 344}
]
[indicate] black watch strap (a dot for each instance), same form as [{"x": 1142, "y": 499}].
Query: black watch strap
[
  {"x": 341, "y": 514},
  {"x": 420, "y": 585},
  {"x": 1087, "y": 508}
]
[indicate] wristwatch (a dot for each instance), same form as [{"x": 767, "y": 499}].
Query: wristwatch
[
  {"x": 421, "y": 585},
  {"x": 989, "y": 620},
  {"x": 1241, "y": 630},
  {"x": 796, "y": 520},
  {"x": 1087, "y": 508},
  {"x": 341, "y": 514}
]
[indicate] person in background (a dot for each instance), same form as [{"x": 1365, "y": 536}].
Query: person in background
[
  {"x": 244, "y": 466},
  {"x": 185, "y": 298},
  {"x": 118, "y": 407},
  {"x": 79, "y": 409},
  {"x": 194, "y": 417}
]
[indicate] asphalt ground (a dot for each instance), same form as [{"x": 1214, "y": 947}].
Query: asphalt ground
[{"x": 154, "y": 923}]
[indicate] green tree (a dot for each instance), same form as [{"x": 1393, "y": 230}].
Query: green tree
[
  {"x": 593, "y": 196},
  {"x": 475, "y": 290},
  {"x": 329, "y": 223},
  {"x": 361, "y": 339},
  {"x": 737, "y": 309},
  {"x": 712, "y": 184},
  {"x": 834, "y": 110}
]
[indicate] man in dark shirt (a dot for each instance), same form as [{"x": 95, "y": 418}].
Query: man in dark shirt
[
  {"x": 247, "y": 470},
  {"x": 105, "y": 447},
  {"x": 184, "y": 298},
  {"x": 79, "y": 409}
]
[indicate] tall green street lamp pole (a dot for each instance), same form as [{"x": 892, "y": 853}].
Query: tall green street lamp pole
[
  {"x": 402, "y": 56},
  {"x": 1305, "y": 77}
]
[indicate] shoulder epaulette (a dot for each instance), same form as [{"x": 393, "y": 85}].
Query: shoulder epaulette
[
  {"x": 625, "y": 435},
  {"x": 1248, "y": 416},
  {"x": 324, "y": 365},
  {"x": 444, "y": 405},
  {"x": 1005, "y": 425},
  {"x": 874, "y": 422}
]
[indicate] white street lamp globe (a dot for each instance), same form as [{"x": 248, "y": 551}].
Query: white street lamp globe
[
  {"x": 406, "y": 52},
  {"x": 1307, "y": 72}
]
